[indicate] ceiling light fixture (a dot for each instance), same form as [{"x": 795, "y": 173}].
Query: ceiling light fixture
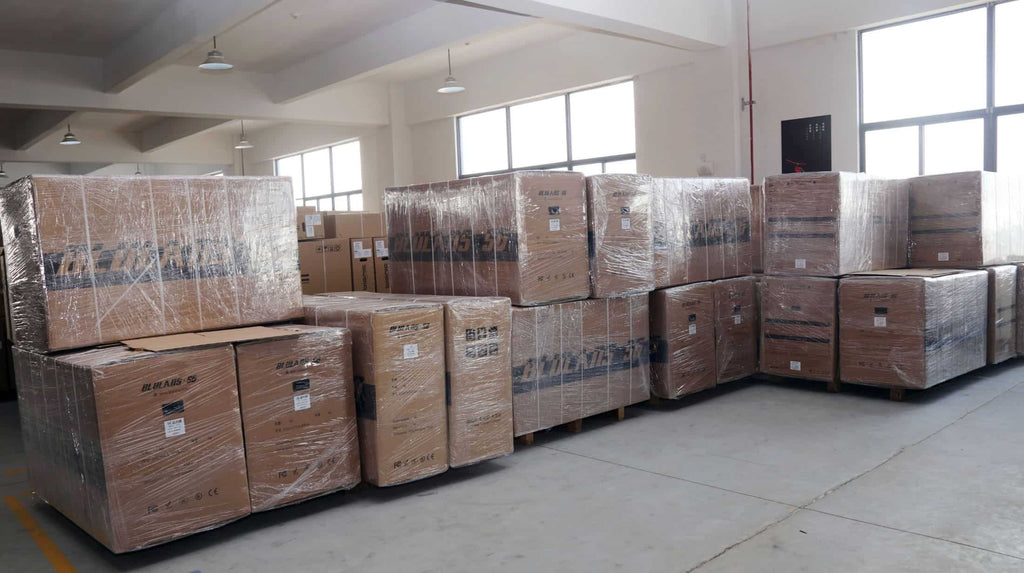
[
  {"x": 451, "y": 85},
  {"x": 243, "y": 143},
  {"x": 138, "y": 169},
  {"x": 69, "y": 138},
  {"x": 3, "y": 173},
  {"x": 215, "y": 60}
]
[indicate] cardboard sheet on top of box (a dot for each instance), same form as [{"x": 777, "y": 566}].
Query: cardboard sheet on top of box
[
  {"x": 966, "y": 220},
  {"x": 521, "y": 235},
  {"x": 736, "y": 328},
  {"x": 361, "y": 251},
  {"x": 1002, "y": 313},
  {"x": 309, "y": 224},
  {"x": 352, "y": 224},
  {"x": 477, "y": 333},
  {"x": 619, "y": 234},
  {"x": 381, "y": 272},
  {"x": 92, "y": 260},
  {"x": 757, "y": 228},
  {"x": 137, "y": 448},
  {"x": 682, "y": 340},
  {"x": 298, "y": 414},
  {"x": 577, "y": 359},
  {"x": 912, "y": 328},
  {"x": 832, "y": 224},
  {"x": 798, "y": 327},
  {"x": 398, "y": 364},
  {"x": 325, "y": 266},
  {"x": 700, "y": 230}
]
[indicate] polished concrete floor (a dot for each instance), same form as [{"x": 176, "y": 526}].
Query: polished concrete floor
[{"x": 748, "y": 477}]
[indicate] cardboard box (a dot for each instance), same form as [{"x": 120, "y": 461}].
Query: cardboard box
[
  {"x": 1002, "y": 313},
  {"x": 577, "y": 359},
  {"x": 298, "y": 415},
  {"x": 398, "y": 364},
  {"x": 700, "y": 230},
  {"x": 912, "y": 328},
  {"x": 92, "y": 260},
  {"x": 965, "y": 220},
  {"x": 832, "y": 224},
  {"x": 325, "y": 266},
  {"x": 757, "y": 227},
  {"x": 1020, "y": 304},
  {"x": 520, "y": 235},
  {"x": 798, "y": 327},
  {"x": 363, "y": 278},
  {"x": 478, "y": 382},
  {"x": 352, "y": 224},
  {"x": 682, "y": 340},
  {"x": 736, "y": 328},
  {"x": 137, "y": 448},
  {"x": 308, "y": 223},
  {"x": 619, "y": 217},
  {"x": 381, "y": 273}
]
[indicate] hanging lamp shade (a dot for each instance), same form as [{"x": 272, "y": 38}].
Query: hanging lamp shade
[{"x": 215, "y": 59}]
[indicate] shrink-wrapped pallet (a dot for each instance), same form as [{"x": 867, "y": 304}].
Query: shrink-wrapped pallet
[
  {"x": 736, "y": 328},
  {"x": 683, "y": 340},
  {"x": 798, "y": 327},
  {"x": 1002, "y": 313},
  {"x": 619, "y": 221},
  {"x": 757, "y": 227}
]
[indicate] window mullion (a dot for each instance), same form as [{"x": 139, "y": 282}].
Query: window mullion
[
  {"x": 508, "y": 134},
  {"x": 568, "y": 130},
  {"x": 990, "y": 92}
]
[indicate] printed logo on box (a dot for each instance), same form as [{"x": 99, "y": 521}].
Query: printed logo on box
[
  {"x": 554, "y": 225},
  {"x": 794, "y": 365},
  {"x": 625, "y": 224},
  {"x": 943, "y": 257},
  {"x": 301, "y": 402},
  {"x": 175, "y": 427},
  {"x": 880, "y": 321},
  {"x": 411, "y": 351},
  {"x": 801, "y": 263}
]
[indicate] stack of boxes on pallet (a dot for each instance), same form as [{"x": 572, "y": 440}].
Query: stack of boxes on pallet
[{"x": 341, "y": 251}]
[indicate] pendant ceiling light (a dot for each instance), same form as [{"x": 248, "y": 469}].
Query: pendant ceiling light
[
  {"x": 3, "y": 173},
  {"x": 69, "y": 138},
  {"x": 138, "y": 169},
  {"x": 243, "y": 143},
  {"x": 215, "y": 60},
  {"x": 451, "y": 85}
]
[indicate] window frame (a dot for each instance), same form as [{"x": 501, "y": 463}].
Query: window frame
[
  {"x": 333, "y": 195},
  {"x": 990, "y": 114},
  {"x": 568, "y": 163}
]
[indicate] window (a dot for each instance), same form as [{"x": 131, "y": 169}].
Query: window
[
  {"x": 591, "y": 131},
  {"x": 943, "y": 93},
  {"x": 329, "y": 179}
]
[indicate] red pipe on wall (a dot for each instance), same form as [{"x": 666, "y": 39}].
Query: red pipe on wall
[{"x": 750, "y": 95}]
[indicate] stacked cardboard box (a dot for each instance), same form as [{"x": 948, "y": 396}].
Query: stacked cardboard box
[
  {"x": 309, "y": 224},
  {"x": 912, "y": 328},
  {"x": 1002, "y": 313},
  {"x": 736, "y": 328},
  {"x": 341, "y": 258},
  {"x": 798, "y": 327},
  {"x": 757, "y": 227},
  {"x": 683, "y": 340},
  {"x": 1020, "y": 304},
  {"x": 619, "y": 216}
]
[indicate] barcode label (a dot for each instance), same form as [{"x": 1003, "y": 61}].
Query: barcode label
[
  {"x": 312, "y": 221},
  {"x": 382, "y": 249},
  {"x": 943, "y": 256},
  {"x": 737, "y": 319},
  {"x": 359, "y": 252},
  {"x": 175, "y": 427},
  {"x": 625, "y": 224},
  {"x": 554, "y": 224},
  {"x": 693, "y": 329},
  {"x": 880, "y": 321},
  {"x": 794, "y": 365},
  {"x": 801, "y": 263},
  {"x": 301, "y": 402},
  {"x": 411, "y": 351}
]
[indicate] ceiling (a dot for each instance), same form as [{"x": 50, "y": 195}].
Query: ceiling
[{"x": 77, "y": 27}]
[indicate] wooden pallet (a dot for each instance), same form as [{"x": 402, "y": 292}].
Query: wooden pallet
[
  {"x": 835, "y": 386},
  {"x": 574, "y": 426}
]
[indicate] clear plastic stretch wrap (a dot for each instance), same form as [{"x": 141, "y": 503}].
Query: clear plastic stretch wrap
[
  {"x": 100, "y": 259},
  {"x": 298, "y": 415},
  {"x": 619, "y": 220},
  {"x": 966, "y": 220},
  {"x": 577, "y": 359},
  {"x": 736, "y": 328},
  {"x": 832, "y": 224},
  {"x": 911, "y": 328},
  {"x": 398, "y": 365},
  {"x": 1002, "y": 313},
  {"x": 137, "y": 448},
  {"x": 520, "y": 235},
  {"x": 683, "y": 340},
  {"x": 478, "y": 379},
  {"x": 757, "y": 227},
  {"x": 798, "y": 327},
  {"x": 1020, "y": 305},
  {"x": 700, "y": 230}
]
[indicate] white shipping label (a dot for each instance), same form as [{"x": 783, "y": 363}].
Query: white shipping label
[
  {"x": 554, "y": 224},
  {"x": 794, "y": 365},
  {"x": 943, "y": 256},
  {"x": 880, "y": 321},
  {"x": 693, "y": 329},
  {"x": 801, "y": 263},
  {"x": 382, "y": 249},
  {"x": 737, "y": 319},
  {"x": 411, "y": 351},
  {"x": 312, "y": 221},
  {"x": 359, "y": 252},
  {"x": 625, "y": 224},
  {"x": 301, "y": 402},
  {"x": 175, "y": 427}
]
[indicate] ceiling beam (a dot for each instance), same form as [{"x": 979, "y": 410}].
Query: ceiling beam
[
  {"x": 171, "y": 129},
  {"x": 440, "y": 25},
  {"x": 39, "y": 125},
  {"x": 86, "y": 168}
]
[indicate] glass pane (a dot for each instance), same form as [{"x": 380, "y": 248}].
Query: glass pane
[
  {"x": 299, "y": 202},
  {"x": 348, "y": 174},
  {"x": 355, "y": 202},
  {"x": 483, "y": 142},
  {"x": 538, "y": 132},
  {"x": 603, "y": 121},
  {"x": 558, "y": 169},
  {"x": 325, "y": 204},
  {"x": 627, "y": 166},
  {"x": 892, "y": 152},
  {"x": 924, "y": 68},
  {"x": 1009, "y": 53},
  {"x": 953, "y": 147},
  {"x": 292, "y": 167},
  {"x": 588, "y": 168},
  {"x": 317, "y": 172},
  {"x": 1010, "y": 144}
]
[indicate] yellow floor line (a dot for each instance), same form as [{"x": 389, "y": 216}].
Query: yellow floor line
[
  {"x": 12, "y": 472},
  {"x": 46, "y": 545}
]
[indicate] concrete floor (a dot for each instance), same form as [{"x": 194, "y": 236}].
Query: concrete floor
[{"x": 748, "y": 477}]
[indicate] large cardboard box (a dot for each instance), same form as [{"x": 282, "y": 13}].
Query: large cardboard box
[
  {"x": 352, "y": 224},
  {"x": 1002, "y": 313},
  {"x": 398, "y": 364},
  {"x": 1020, "y": 305},
  {"x": 619, "y": 217},
  {"x": 308, "y": 223},
  {"x": 522, "y": 235},
  {"x": 700, "y": 230},
  {"x": 362, "y": 264},
  {"x": 798, "y": 327},
  {"x": 832, "y": 224},
  {"x": 577, "y": 359},
  {"x": 965, "y": 220},
  {"x": 325, "y": 266},
  {"x": 100, "y": 259},
  {"x": 682, "y": 340},
  {"x": 757, "y": 227},
  {"x": 137, "y": 448},
  {"x": 736, "y": 328},
  {"x": 298, "y": 414},
  {"x": 478, "y": 381},
  {"x": 911, "y": 328},
  {"x": 381, "y": 273}
]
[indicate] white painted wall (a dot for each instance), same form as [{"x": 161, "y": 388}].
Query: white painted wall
[{"x": 434, "y": 157}]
